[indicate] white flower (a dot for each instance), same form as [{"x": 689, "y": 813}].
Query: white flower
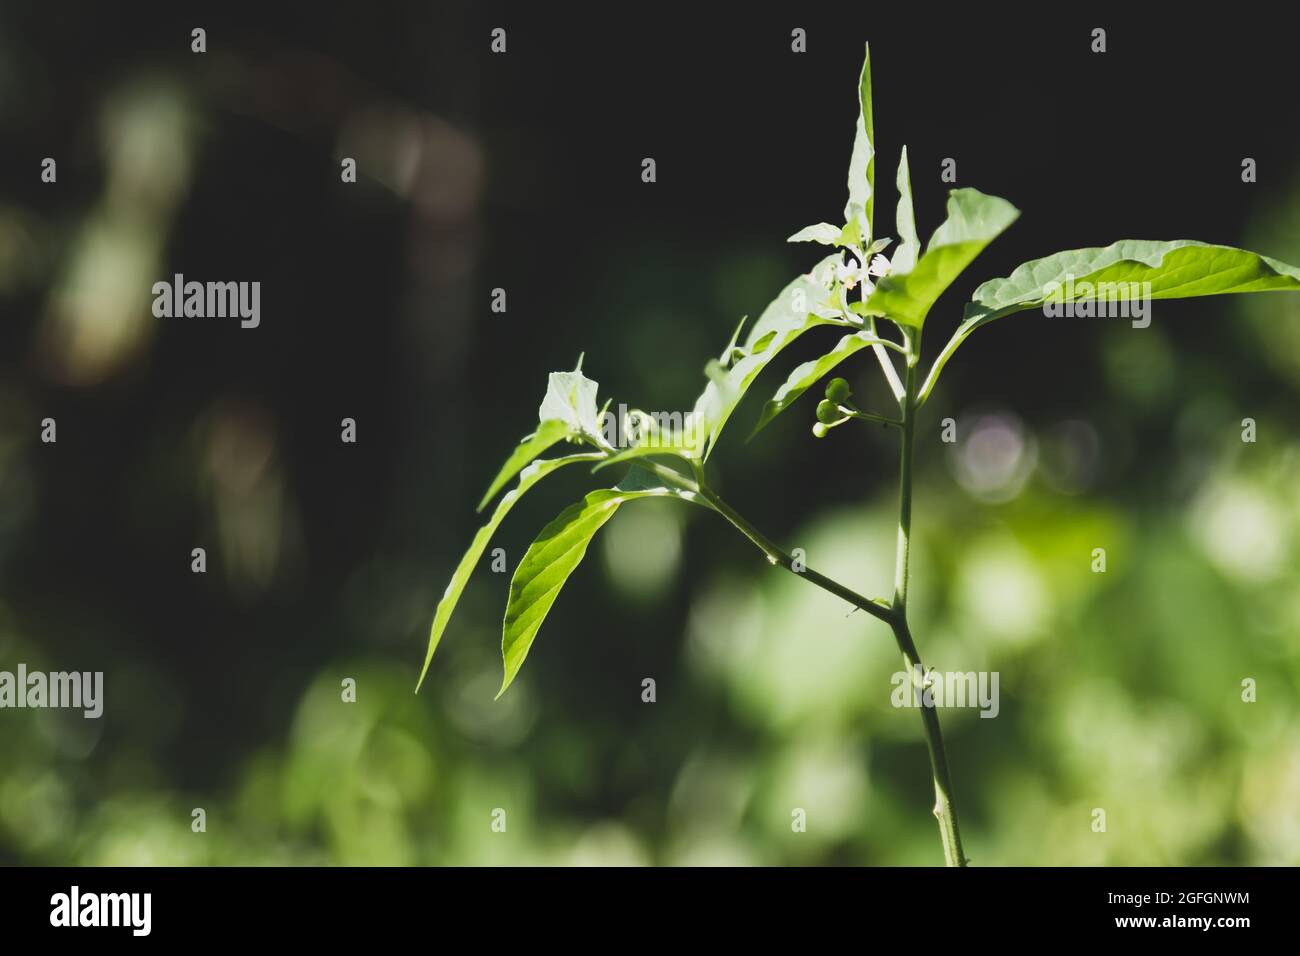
[
  {"x": 850, "y": 273},
  {"x": 879, "y": 266}
]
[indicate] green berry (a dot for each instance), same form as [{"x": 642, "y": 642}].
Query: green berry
[
  {"x": 828, "y": 413},
  {"x": 838, "y": 391},
  {"x": 820, "y": 430}
]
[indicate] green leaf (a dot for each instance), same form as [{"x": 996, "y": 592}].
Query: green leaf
[
  {"x": 460, "y": 577},
  {"x": 686, "y": 439},
  {"x": 974, "y": 220},
  {"x": 660, "y": 433},
  {"x": 783, "y": 321},
  {"x": 822, "y": 232},
  {"x": 805, "y": 376},
  {"x": 851, "y": 234},
  {"x": 732, "y": 352},
  {"x": 547, "y": 434},
  {"x": 1176, "y": 270},
  {"x": 553, "y": 557},
  {"x": 905, "y": 219},
  {"x": 568, "y": 410},
  {"x": 862, "y": 165},
  {"x": 1179, "y": 269}
]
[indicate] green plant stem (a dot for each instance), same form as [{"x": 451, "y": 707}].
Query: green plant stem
[
  {"x": 945, "y": 810},
  {"x": 886, "y": 365},
  {"x": 775, "y": 554},
  {"x": 870, "y": 417},
  {"x": 894, "y": 615},
  {"x": 903, "y": 550}
]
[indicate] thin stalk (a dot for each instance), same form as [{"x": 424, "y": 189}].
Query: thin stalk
[
  {"x": 903, "y": 549},
  {"x": 886, "y": 364},
  {"x": 774, "y": 553},
  {"x": 777, "y": 556},
  {"x": 945, "y": 810},
  {"x": 894, "y": 615},
  {"x": 870, "y": 417}
]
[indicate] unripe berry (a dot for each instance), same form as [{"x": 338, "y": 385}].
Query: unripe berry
[
  {"x": 820, "y": 430},
  {"x": 838, "y": 391},
  {"x": 828, "y": 413}
]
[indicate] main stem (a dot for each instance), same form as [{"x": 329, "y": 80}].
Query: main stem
[
  {"x": 895, "y": 615},
  {"x": 945, "y": 809}
]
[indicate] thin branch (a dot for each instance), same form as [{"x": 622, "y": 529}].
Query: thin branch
[
  {"x": 777, "y": 556},
  {"x": 875, "y": 338},
  {"x": 949, "y": 348},
  {"x": 869, "y": 417},
  {"x": 774, "y": 554},
  {"x": 886, "y": 364}
]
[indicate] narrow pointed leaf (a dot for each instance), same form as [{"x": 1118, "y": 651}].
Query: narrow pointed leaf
[
  {"x": 460, "y": 577},
  {"x": 822, "y": 232},
  {"x": 805, "y": 376},
  {"x": 661, "y": 434},
  {"x": 862, "y": 163},
  {"x": 784, "y": 320},
  {"x": 974, "y": 220},
  {"x": 729, "y": 353},
  {"x": 1178, "y": 269},
  {"x": 905, "y": 219},
  {"x": 553, "y": 557},
  {"x": 547, "y": 434}
]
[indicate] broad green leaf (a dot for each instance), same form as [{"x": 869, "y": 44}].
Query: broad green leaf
[
  {"x": 571, "y": 398},
  {"x": 862, "y": 163},
  {"x": 974, "y": 220},
  {"x": 805, "y": 376},
  {"x": 822, "y": 232},
  {"x": 1179, "y": 269},
  {"x": 905, "y": 219},
  {"x": 558, "y": 550},
  {"x": 1176, "y": 270},
  {"x": 785, "y": 319},
  {"x": 547, "y": 434},
  {"x": 460, "y": 577}
]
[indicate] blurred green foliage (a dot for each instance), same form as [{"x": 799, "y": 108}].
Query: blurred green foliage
[{"x": 1120, "y": 690}]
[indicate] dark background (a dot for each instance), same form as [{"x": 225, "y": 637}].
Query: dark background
[{"x": 522, "y": 171}]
